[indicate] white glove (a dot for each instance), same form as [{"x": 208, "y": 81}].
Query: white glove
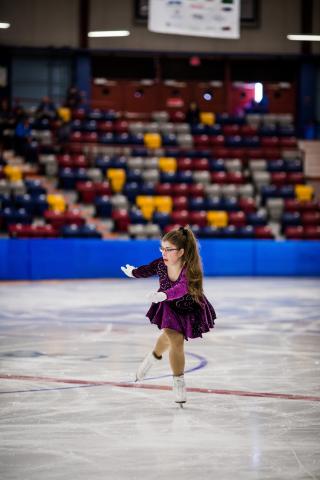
[
  {"x": 128, "y": 270},
  {"x": 156, "y": 297}
]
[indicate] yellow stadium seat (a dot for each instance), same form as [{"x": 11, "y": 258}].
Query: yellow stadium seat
[
  {"x": 64, "y": 113},
  {"x": 167, "y": 164},
  {"x": 117, "y": 178},
  {"x": 163, "y": 203},
  {"x": 207, "y": 118},
  {"x": 217, "y": 218},
  {"x": 56, "y": 202},
  {"x": 13, "y": 173},
  {"x": 304, "y": 192},
  {"x": 152, "y": 140},
  {"x": 146, "y": 204}
]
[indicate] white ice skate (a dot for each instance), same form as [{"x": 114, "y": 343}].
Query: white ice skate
[
  {"x": 179, "y": 390},
  {"x": 145, "y": 366}
]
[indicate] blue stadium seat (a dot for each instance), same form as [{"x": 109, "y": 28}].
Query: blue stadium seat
[
  {"x": 103, "y": 207},
  {"x": 134, "y": 175},
  {"x": 257, "y": 218},
  {"x": 246, "y": 232},
  {"x": 34, "y": 187},
  {"x": 198, "y": 203},
  {"x": 276, "y": 165},
  {"x": 161, "y": 219},
  {"x": 103, "y": 162},
  {"x": 136, "y": 217},
  {"x": 184, "y": 177},
  {"x": 131, "y": 190},
  {"x": 107, "y": 138},
  {"x": 217, "y": 165}
]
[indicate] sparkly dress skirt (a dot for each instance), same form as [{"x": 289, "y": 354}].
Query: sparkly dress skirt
[{"x": 183, "y": 315}]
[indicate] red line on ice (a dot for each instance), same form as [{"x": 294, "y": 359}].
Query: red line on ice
[{"x": 240, "y": 393}]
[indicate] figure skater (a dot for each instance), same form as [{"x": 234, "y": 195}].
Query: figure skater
[{"x": 179, "y": 307}]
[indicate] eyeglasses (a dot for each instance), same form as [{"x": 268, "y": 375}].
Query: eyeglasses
[{"x": 167, "y": 249}]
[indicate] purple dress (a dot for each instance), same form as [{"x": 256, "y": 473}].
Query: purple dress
[{"x": 179, "y": 312}]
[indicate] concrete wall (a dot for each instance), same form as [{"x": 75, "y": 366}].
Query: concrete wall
[{"x": 39, "y": 23}]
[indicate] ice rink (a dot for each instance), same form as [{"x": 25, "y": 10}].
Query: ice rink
[{"x": 70, "y": 410}]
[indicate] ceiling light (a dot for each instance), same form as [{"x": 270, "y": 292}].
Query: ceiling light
[
  {"x": 109, "y": 33},
  {"x": 304, "y": 38},
  {"x": 4, "y": 25}
]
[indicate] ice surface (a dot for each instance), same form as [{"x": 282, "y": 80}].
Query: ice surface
[{"x": 69, "y": 409}]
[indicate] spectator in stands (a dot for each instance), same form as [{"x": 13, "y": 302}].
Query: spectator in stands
[
  {"x": 22, "y": 136},
  {"x": 24, "y": 144},
  {"x": 74, "y": 98},
  {"x": 18, "y": 112},
  {"x": 193, "y": 114},
  {"x": 63, "y": 132},
  {"x": 46, "y": 109}
]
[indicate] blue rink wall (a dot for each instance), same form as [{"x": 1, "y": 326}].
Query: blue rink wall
[{"x": 38, "y": 259}]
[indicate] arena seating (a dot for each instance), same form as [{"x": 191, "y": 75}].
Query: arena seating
[{"x": 228, "y": 177}]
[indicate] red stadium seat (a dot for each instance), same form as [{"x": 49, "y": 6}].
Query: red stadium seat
[
  {"x": 312, "y": 233},
  {"x": 293, "y": 205},
  {"x": 180, "y": 203},
  {"x": 184, "y": 163},
  {"x": 271, "y": 153},
  {"x": 105, "y": 126},
  {"x": 248, "y": 130},
  {"x": 288, "y": 142},
  {"x": 263, "y": 232},
  {"x": 177, "y": 116},
  {"x": 231, "y": 130},
  {"x": 221, "y": 152},
  {"x": 235, "y": 177},
  {"x": 180, "y": 217},
  {"x": 270, "y": 141},
  {"x": 86, "y": 191},
  {"x": 164, "y": 189},
  {"x": 90, "y": 137},
  {"x": 216, "y": 140},
  {"x": 180, "y": 189},
  {"x": 201, "y": 140},
  {"x": 198, "y": 218},
  {"x": 253, "y": 153},
  {"x": 219, "y": 177},
  {"x": 295, "y": 177},
  {"x": 310, "y": 218},
  {"x": 65, "y": 161},
  {"x": 238, "y": 219},
  {"x": 80, "y": 161},
  {"x": 121, "y": 126},
  {"x": 201, "y": 164},
  {"x": 76, "y": 137},
  {"x": 248, "y": 205},
  {"x": 79, "y": 114},
  {"x": 196, "y": 190},
  {"x": 32, "y": 231},
  {"x": 74, "y": 217},
  {"x": 279, "y": 178},
  {"x": 102, "y": 188},
  {"x": 294, "y": 233},
  {"x": 121, "y": 219}
]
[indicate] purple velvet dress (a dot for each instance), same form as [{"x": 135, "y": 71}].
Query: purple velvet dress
[{"x": 179, "y": 312}]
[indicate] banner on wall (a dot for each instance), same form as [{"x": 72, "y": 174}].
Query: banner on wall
[{"x": 202, "y": 18}]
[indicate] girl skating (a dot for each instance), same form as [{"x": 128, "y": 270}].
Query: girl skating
[{"x": 179, "y": 307}]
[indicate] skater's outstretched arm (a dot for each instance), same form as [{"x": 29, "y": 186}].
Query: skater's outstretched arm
[{"x": 146, "y": 271}]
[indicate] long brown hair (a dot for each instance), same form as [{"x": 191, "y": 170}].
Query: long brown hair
[{"x": 184, "y": 238}]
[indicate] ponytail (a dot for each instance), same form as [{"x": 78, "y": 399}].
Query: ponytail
[{"x": 184, "y": 238}]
